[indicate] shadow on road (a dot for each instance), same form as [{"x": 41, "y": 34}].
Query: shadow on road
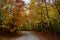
[{"x": 28, "y": 35}]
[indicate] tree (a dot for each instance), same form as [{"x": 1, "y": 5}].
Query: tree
[
  {"x": 12, "y": 14},
  {"x": 45, "y": 15}
]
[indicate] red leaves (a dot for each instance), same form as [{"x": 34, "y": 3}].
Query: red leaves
[
  {"x": 20, "y": 5},
  {"x": 17, "y": 1}
]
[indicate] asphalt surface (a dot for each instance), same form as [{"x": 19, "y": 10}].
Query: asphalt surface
[{"x": 28, "y": 36}]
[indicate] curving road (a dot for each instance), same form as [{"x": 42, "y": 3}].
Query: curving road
[{"x": 28, "y": 36}]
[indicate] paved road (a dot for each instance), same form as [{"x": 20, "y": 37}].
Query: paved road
[{"x": 28, "y": 36}]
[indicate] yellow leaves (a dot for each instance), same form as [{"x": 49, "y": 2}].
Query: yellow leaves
[
  {"x": 43, "y": 5},
  {"x": 36, "y": 21},
  {"x": 11, "y": 14},
  {"x": 33, "y": 0},
  {"x": 30, "y": 15},
  {"x": 39, "y": 11},
  {"x": 51, "y": 12},
  {"x": 32, "y": 6}
]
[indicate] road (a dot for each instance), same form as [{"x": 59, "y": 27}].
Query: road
[{"x": 28, "y": 36}]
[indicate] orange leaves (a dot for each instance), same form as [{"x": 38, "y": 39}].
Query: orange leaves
[
  {"x": 14, "y": 15},
  {"x": 14, "y": 11},
  {"x": 19, "y": 7},
  {"x": 18, "y": 19}
]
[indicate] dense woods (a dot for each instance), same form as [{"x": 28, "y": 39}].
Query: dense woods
[{"x": 38, "y": 15}]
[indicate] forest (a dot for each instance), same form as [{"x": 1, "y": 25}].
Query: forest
[{"x": 38, "y": 15}]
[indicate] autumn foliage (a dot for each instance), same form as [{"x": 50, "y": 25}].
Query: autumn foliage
[{"x": 38, "y": 15}]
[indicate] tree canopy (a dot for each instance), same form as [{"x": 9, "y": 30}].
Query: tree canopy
[{"x": 43, "y": 15}]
